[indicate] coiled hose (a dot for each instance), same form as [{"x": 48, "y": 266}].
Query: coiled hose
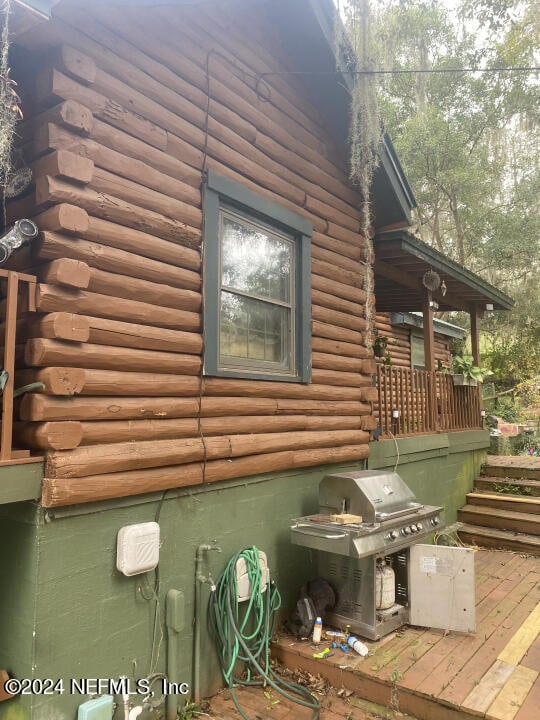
[{"x": 243, "y": 631}]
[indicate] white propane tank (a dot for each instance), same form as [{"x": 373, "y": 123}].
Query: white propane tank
[{"x": 385, "y": 587}]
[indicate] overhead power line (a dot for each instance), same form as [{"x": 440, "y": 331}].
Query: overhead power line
[{"x": 528, "y": 69}]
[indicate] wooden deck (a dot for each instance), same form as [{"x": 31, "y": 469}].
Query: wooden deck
[
  {"x": 259, "y": 706},
  {"x": 449, "y": 676}
]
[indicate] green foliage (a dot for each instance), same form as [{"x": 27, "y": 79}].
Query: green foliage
[
  {"x": 193, "y": 710},
  {"x": 507, "y": 409},
  {"x": 469, "y": 145},
  {"x": 464, "y": 365},
  {"x": 508, "y": 489},
  {"x": 9, "y": 99},
  {"x": 380, "y": 348},
  {"x": 528, "y": 392},
  {"x": 512, "y": 340},
  {"x": 527, "y": 445}
]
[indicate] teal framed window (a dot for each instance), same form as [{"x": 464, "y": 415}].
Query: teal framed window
[{"x": 257, "y": 289}]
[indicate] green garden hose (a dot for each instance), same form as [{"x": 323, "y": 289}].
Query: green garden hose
[{"x": 243, "y": 631}]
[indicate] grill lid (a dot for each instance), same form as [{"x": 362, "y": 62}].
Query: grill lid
[{"x": 377, "y": 495}]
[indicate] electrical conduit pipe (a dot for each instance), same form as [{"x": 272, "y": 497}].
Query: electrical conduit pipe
[
  {"x": 200, "y": 579},
  {"x": 174, "y": 609}
]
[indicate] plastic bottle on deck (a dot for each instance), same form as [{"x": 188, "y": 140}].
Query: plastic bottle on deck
[
  {"x": 358, "y": 646},
  {"x": 317, "y": 630}
]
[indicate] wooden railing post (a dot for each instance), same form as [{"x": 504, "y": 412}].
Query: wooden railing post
[
  {"x": 426, "y": 401},
  {"x": 9, "y": 366}
]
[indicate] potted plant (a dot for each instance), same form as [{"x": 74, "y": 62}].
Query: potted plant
[
  {"x": 465, "y": 372},
  {"x": 380, "y": 349}
]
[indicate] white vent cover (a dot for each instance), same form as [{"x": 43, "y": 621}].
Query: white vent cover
[{"x": 137, "y": 548}]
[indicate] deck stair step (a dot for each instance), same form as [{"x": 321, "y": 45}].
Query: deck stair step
[
  {"x": 503, "y": 501},
  {"x": 512, "y": 467},
  {"x": 500, "y": 519},
  {"x": 529, "y": 488},
  {"x": 505, "y": 520},
  {"x": 500, "y": 539}
]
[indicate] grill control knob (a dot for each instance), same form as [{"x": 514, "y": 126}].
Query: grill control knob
[
  {"x": 406, "y": 530},
  {"x": 419, "y": 526},
  {"x": 435, "y": 520},
  {"x": 394, "y": 534},
  {"x": 414, "y": 528}
]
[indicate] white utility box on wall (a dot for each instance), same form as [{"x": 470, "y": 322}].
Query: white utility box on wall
[
  {"x": 243, "y": 582},
  {"x": 137, "y": 548}
]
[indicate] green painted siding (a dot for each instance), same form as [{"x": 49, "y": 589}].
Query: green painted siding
[
  {"x": 19, "y": 558},
  {"x": 439, "y": 469},
  {"x": 59, "y": 578},
  {"x": 20, "y": 482},
  {"x": 90, "y": 621}
]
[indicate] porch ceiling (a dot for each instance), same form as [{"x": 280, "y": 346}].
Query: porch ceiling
[{"x": 400, "y": 262}]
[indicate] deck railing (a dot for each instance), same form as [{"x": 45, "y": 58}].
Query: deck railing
[
  {"x": 417, "y": 401},
  {"x": 14, "y": 302}
]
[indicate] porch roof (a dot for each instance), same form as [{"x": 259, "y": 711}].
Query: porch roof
[{"x": 400, "y": 263}]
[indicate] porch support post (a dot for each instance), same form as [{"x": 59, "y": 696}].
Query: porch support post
[
  {"x": 475, "y": 337},
  {"x": 429, "y": 341},
  {"x": 429, "y": 361},
  {"x": 475, "y": 347}
]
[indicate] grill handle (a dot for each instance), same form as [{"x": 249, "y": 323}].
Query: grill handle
[{"x": 328, "y": 536}]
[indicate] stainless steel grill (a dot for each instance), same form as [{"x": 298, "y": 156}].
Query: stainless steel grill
[{"x": 389, "y": 521}]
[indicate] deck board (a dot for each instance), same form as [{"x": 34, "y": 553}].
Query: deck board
[
  {"x": 523, "y": 639},
  {"x": 530, "y": 707},
  {"x": 493, "y": 673},
  {"x": 532, "y": 656},
  {"x": 512, "y": 695},
  {"x": 455, "y": 650},
  {"x": 482, "y": 696},
  {"x": 504, "y": 620},
  {"x": 259, "y": 706}
]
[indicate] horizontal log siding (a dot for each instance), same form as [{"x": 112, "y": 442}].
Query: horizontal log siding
[
  {"x": 399, "y": 342},
  {"x": 117, "y": 134}
]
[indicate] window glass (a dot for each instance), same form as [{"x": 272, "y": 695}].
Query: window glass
[
  {"x": 257, "y": 295},
  {"x": 418, "y": 360},
  {"x": 253, "y": 329},
  {"x": 255, "y": 261}
]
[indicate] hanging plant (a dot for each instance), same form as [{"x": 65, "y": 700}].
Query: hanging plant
[
  {"x": 10, "y": 110},
  {"x": 431, "y": 280},
  {"x": 380, "y": 349},
  {"x": 380, "y": 346},
  {"x": 365, "y": 133}
]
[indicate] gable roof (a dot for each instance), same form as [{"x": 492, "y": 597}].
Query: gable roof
[
  {"x": 306, "y": 32},
  {"x": 308, "y": 35}
]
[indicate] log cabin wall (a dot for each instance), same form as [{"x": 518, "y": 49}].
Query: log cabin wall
[
  {"x": 399, "y": 342},
  {"x": 127, "y": 110}
]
